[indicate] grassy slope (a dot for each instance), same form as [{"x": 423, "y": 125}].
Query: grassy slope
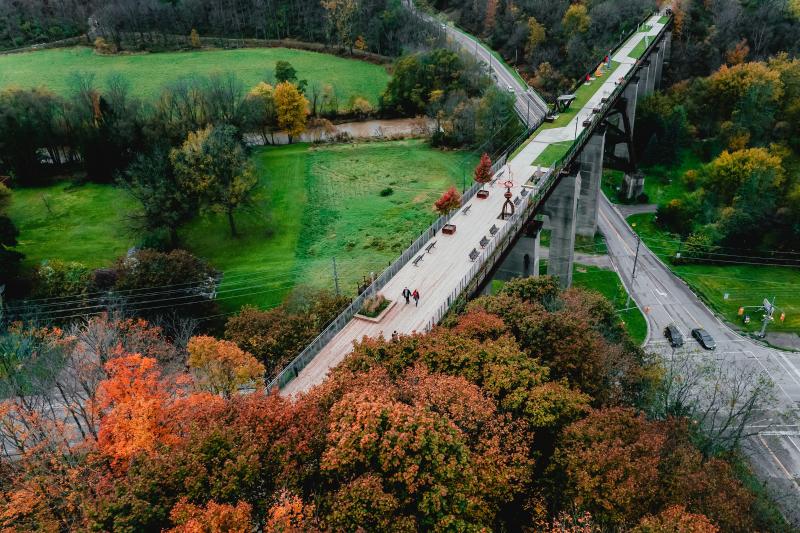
[
  {"x": 84, "y": 223},
  {"x": 315, "y": 202},
  {"x": 746, "y": 285},
  {"x": 147, "y": 73}
]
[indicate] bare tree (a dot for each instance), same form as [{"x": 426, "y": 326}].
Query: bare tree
[{"x": 721, "y": 397}]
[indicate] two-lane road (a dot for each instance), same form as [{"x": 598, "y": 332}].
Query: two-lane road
[
  {"x": 775, "y": 451},
  {"x": 529, "y": 106}
]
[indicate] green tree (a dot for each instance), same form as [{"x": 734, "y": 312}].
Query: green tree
[
  {"x": 576, "y": 19},
  {"x": 165, "y": 203},
  {"x": 213, "y": 165},
  {"x": 9, "y": 259}
]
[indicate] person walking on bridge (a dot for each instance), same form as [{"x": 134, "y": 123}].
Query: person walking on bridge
[
  {"x": 407, "y": 295},
  {"x": 416, "y": 298}
]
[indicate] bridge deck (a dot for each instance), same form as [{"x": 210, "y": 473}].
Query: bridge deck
[{"x": 440, "y": 272}]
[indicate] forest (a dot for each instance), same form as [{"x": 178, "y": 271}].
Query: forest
[
  {"x": 527, "y": 410},
  {"x": 381, "y": 26}
]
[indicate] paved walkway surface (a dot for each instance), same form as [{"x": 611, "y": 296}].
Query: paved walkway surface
[{"x": 440, "y": 272}]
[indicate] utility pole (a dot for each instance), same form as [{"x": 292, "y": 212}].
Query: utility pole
[
  {"x": 769, "y": 308},
  {"x": 636, "y": 257},
  {"x": 335, "y": 277}
]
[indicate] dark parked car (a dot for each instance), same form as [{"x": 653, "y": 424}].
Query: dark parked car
[
  {"x": 705, "y": 340},
  {"x": 673, "y": 335}
]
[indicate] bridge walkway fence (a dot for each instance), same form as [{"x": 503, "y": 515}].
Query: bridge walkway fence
[
  {"x": 298, "y": 363},
  {"x": 488, "y": 256}
]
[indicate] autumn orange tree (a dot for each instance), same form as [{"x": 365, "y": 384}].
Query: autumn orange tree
[
  {"x": 448, "y": 201},
  {"x": 221, "y": 367},
  {"x": 483, "y": 171}
]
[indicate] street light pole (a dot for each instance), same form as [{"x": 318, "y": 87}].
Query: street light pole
[{"x": 636, "y": 258}]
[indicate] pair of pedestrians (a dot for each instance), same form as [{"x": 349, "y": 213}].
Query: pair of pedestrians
[{"x": 407, "y": 294}]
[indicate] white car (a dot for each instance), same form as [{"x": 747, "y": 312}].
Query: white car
[{"x": 511, "y": 89}]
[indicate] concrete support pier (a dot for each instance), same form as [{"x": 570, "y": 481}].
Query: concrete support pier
[
  {"x": 562, "y": 210},
  {"x": 591, "y": 172},
  {"x": 631, "y": 95},
  {"x": 658, "y": 56},
  {"x": 644, "y": 76}
]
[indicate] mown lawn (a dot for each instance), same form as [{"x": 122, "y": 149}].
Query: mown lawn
[
  {"x": 147, "y": 73},
  {"x": 745, "y": 285},
  {"x": 314, "y": 203},
  {"x": 84, "y": 223}
]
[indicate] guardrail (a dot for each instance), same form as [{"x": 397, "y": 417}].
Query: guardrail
[{"x": 472, "y": 278}]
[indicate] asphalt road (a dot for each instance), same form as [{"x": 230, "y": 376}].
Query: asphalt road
[
  {"x": 529, "y": 106},
  {"x": 775, "y": 450}
]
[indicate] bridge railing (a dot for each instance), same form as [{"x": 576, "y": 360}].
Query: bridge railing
[
  {"x": 507, "y": 231},
  {"x": 301, "y": 361}
]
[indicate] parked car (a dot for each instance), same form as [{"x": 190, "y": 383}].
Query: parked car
[
  {"x": 674, "y": 336},
  {"x": 510, "y": 89},
  {"x": 705, "y": 340}
]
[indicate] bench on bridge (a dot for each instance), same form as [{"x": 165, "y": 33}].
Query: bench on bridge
[
  {"x": 587, "y": 123},
  {"x": 419, "y": 258},
  {"x": 430, "y": 247},
  {"x": 525, "y": 192},
  {"x": 466, "y": 209},
  {"x": 484, "y": 241},
  {"x": 473, "y": 255},
  {"x": 517, "y": 200},
  {"x": 493, "y": 230}
]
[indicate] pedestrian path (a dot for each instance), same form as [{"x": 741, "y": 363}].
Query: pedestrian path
[{"x": 439, "y": 273}]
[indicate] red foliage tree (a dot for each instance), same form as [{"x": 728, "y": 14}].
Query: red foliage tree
[
  {"x": 676, "y": 519},
  {"x": 448, "y": 201},
  {"x": 483, "y": 172},
  {"x": 211, "y": 518}
]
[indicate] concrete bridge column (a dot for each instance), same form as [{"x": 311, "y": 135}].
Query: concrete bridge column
[
  {"x": 644, "y": 76},
  {"x": 667, "y": 46},
  {"x": 591, "y": 164},
  {"x": 659, "y": 53},
  {"x": 630, "y": 94},
  {"x": 651, "y": 71},
  {"x": 562, "y": 210}
]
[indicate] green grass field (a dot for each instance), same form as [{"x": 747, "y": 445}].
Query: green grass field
[
  {"x": 147, "y": 73},
  {"x": 746, "y": 285},
  {"x": 84, "y": 223},
  {"x": 314, "y": 203}
]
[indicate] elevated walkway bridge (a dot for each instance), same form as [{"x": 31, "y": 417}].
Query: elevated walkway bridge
[{"x": 553, "y": 172}]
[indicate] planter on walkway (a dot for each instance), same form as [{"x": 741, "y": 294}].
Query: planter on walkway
[
  {"x": 483, "y": 194},
  {"x": 449, "y": 229},
  {"x": 379, "y": 317}
]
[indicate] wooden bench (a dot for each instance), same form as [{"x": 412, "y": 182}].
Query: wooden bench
[
  {"x": 517, "y": 200},
  {"x": 493, "y": 230},
  {"x": 473, "y": 255},
  {"x": 484, "y": 241},
  {"x": 466, "y": 209},
  {"x": 430, "y": 247},
  {"x": 525, "y": 192},
  {"x": 418, "y": 259}
]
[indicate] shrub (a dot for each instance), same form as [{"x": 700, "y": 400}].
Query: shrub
[
  {"x": 54, "y": 279},
  {"x": 374, "y": 306},
  {"x": 388, "y": 191}
]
